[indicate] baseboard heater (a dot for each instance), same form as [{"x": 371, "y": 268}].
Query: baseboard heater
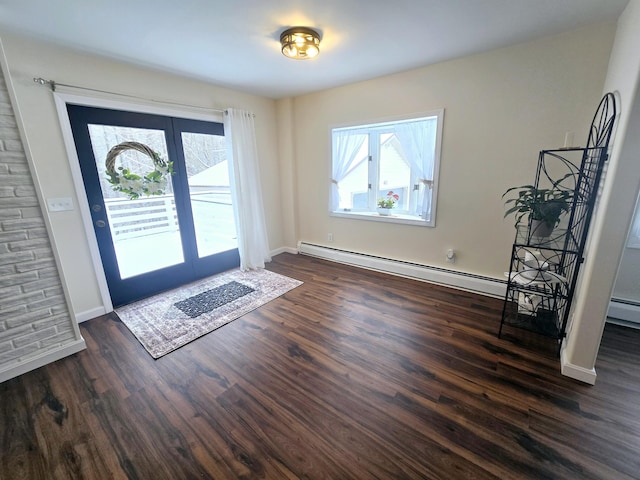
[
  {"x": 624, "y": 312},
  {"x": 450, "y": 278}
]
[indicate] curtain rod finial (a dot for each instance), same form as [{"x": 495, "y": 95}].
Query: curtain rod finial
[{"x": 43, "y": 82}]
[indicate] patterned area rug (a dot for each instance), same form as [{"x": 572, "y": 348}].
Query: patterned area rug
[{"x": 172, "y": 319}]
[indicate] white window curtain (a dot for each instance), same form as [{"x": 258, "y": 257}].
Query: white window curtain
[
  {"x": 418, "y": 141},
  {"x": 248, "y": 208},
  {"x": 346, "y": 145}
]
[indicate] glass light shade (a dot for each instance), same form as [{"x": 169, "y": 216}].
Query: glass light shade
[{"x": 300, "y": 43}]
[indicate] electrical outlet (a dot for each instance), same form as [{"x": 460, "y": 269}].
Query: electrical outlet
[
  {"x": 451, "y": 256},
  {"x": 59, "y": 204},
  {"x": 330, "y": 237}
]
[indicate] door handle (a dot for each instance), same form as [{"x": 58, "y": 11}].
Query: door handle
[{"x": 100, "y": 223}]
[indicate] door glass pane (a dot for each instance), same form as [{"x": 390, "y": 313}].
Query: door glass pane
[
  {"x": 145, "y": 231},
  {"x": 210, "y": 192},
  {"x": 395, "y": 171}
]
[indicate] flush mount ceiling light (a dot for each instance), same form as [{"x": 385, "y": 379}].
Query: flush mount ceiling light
[{"x": 300, "y": 43}]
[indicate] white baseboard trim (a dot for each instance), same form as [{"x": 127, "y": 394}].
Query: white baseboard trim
[
  {"x": 463, "y": 281},
  {"x": 89, "y": 314},
  {"x": 625, "y": 313},
  {"x": 280, "y": 250},
  {"x": 21, "y": 367},
  {"x": 586, "y": 375}
]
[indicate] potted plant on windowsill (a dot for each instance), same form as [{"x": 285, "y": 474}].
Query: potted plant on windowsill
[
  {"x": 386, "y": 204},
  {"x": 544, "y": 206}
]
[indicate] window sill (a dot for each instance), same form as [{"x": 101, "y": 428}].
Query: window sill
[{"x": 375, "y": 217}]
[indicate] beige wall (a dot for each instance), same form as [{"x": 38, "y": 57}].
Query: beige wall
[
  {"x": 501, "y": 108},
  {"x": 620, "y": 191},
  {"x": 627, "y": 286},
  {"x": 28, "y": 59},
  {"x": 284, "y": 108}
]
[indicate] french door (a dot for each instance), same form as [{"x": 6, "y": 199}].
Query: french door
[{"x": 183, "y": 232}]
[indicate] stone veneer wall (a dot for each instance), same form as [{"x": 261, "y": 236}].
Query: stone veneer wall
[{"x": 34, "y": 317}]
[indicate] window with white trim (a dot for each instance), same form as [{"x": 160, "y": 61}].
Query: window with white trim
[{"x": 396, "y": 159}]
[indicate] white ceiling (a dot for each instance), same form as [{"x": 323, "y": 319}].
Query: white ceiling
[{"x": 235, "y": 43}]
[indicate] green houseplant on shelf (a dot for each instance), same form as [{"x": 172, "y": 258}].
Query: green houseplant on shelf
[{"x": 544, "y": 206}]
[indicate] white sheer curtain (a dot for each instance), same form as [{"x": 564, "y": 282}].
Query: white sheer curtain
[
  {"x": 418, "y": 141},
  {"x": 248, "y": 208},
  {"x": 346, "y": 145}
]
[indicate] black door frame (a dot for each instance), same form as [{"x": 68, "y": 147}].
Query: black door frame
[{"x": 124, "y": 291}]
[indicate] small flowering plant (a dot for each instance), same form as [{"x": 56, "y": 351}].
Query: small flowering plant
[{"x": 390, "y": 201}]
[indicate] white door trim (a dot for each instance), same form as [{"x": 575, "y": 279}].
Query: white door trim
[{"x": 61, "y": 99}]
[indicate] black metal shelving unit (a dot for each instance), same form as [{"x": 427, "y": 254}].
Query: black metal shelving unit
[{"x": 543, "y": 272}]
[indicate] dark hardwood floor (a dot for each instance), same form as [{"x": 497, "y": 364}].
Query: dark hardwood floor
[{"x": 354, "y": 374}]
